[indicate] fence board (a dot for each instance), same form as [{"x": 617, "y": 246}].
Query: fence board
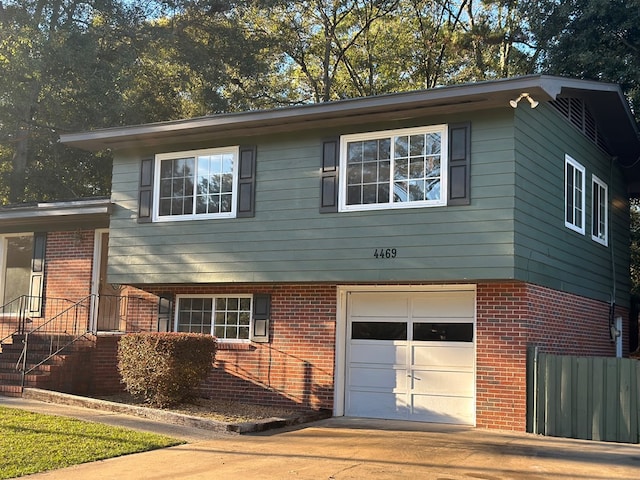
[
  {"x": 593, "y": 398},
  {"x": 582, "y": 398}
]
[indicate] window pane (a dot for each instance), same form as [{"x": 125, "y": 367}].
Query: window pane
[
  {"x": 232, "y": 317},
  {"x": 401, "y": 147},
  {"x": 354, "y": 174},
  {"x": 369, "y": 194},
  {"x": 402, "y": 170},
  {"x": 370, "y": 150},
  {"x": 379, "y": 331},
  {"x": 432, "y": 189},
  {"x": 384, "y": 149},
  {"x": 400, "y": 192},
  {"x": 225, "y": 203},
  {"x": 416, "y": 190},
  {"x": 416, "y": 168},
  {"x": 243, "y": 333},
  {"x": 416, "y": 145},
  {"x": 384, "y": 172},
  {"x": 194, "y": 315},
  {"x": 369, "y": 172},
  {"x": 433, "y": 144},
  {"x": 354, "y": 195},
  {"x": 17, "y": 274},
  {"x": 354, "y": 152},
  {"x": 443, "y": 332}
]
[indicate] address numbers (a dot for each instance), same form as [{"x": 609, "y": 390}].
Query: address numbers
[{"x": 384, "y": 253}]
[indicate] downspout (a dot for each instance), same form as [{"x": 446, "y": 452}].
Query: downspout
[{"x": 613, "y": 333}]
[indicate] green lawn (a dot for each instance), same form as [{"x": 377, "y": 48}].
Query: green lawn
[{"x": 31, "y": 442}]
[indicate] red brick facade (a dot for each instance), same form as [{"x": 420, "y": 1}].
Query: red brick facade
[
  {"x": 296, "y": 366},
  {"x": 69, "y": 264},
  {"x": 513, "y": 316}
]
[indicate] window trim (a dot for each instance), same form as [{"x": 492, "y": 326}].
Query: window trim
[
  {"x": 377, "y": 135},
  {"x": 604, "y": 240},
  {"x": 213, "y": 298},
  {"x": 159, "y": 157},
  {"x": 569, "y": 161}
]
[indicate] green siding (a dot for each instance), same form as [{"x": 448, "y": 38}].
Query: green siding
[
  {"x": 288, "y": 240},
  {"x": 547, "y": 252},
  {"x": 513, "y": 228}
]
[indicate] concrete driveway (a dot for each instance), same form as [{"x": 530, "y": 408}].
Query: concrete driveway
[{"x": 346, "y": 448}]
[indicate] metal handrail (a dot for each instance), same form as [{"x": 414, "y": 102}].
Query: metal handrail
[
  {"x": 69, "y": 322},
  {"x": 66, "y": 333},
  {"x": 17, "y": 311}
]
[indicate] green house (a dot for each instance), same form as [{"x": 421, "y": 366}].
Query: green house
[{"x": 391, "y": 256}]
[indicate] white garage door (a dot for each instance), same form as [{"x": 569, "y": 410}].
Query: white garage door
[{"x": 411, "y": 356}]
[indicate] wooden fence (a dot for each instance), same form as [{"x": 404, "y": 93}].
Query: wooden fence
[{"x": 593, "y": 398}]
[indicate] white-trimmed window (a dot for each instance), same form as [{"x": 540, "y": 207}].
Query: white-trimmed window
[
  {"x": 227, "y": 317},
  {"x": 574, "y": 197},
  {"x": 196, "y": 184},
  {"x": 600, "y": 211},
  {"x": 394, "y": 169}
]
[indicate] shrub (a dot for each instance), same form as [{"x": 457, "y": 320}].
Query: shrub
[{"x": 165, "y": 368}]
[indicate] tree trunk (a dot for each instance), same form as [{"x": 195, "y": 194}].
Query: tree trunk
[{"x": 19, "y": 164}]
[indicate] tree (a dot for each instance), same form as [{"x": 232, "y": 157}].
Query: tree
[
  {"x": 55, "y": 79},
  {"x": 595, "y": 39}
]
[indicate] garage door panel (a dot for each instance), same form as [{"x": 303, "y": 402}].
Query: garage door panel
[
  {"x": 443, "y": 305},
  {"x": 437, "y": 409},
  {"x": 378, "y": 352},
  {"x": 442, "y": 382},
  {"x": 376, "y": 405},
  {"x": 378, "y": 379},
  {"x": 376, "y": 305},
  {"x": 446, "y": 355}
]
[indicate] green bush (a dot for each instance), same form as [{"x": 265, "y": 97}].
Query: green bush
[{"x": 165, "y": 368}]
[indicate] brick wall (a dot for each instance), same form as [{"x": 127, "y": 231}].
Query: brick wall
[
  {"x": 296, "y": 366},
  {"x": 69, "y": 264},
  {"x": 512, "y": 316},
  {"x": 140, "y": 310},
  {"x": 501, "y": 345},
  {"x": 104, "y": 366}
]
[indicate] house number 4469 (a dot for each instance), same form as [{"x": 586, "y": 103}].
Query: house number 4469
[{"x": 383, "y": 253}]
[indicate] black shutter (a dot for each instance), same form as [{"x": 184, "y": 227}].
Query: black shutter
[
  {"x": 36, "y": 285},
  {"x": 246, "y": 182},
  {"x": 261, "y": 316},
  {"x": 459, "y": 164},
  {"x": 165, "y": 307},
  {"x": 329, "y": 178},
  {"x": 145, "y": 192}
]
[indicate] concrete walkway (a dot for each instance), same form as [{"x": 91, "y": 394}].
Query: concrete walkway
[{"x": 347, "y": 448}]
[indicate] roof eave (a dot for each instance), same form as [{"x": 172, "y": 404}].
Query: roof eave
[
  {"x": 56, "y": 216},
  {"x": 468, "y": 97}
]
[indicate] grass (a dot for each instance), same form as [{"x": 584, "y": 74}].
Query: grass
[{"x": 32, "y": 443}]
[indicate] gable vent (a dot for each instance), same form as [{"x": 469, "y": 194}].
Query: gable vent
[{"x": 575, "y": 110}]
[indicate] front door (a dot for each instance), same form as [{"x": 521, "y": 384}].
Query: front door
[{"x": 111, "y": 306}]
